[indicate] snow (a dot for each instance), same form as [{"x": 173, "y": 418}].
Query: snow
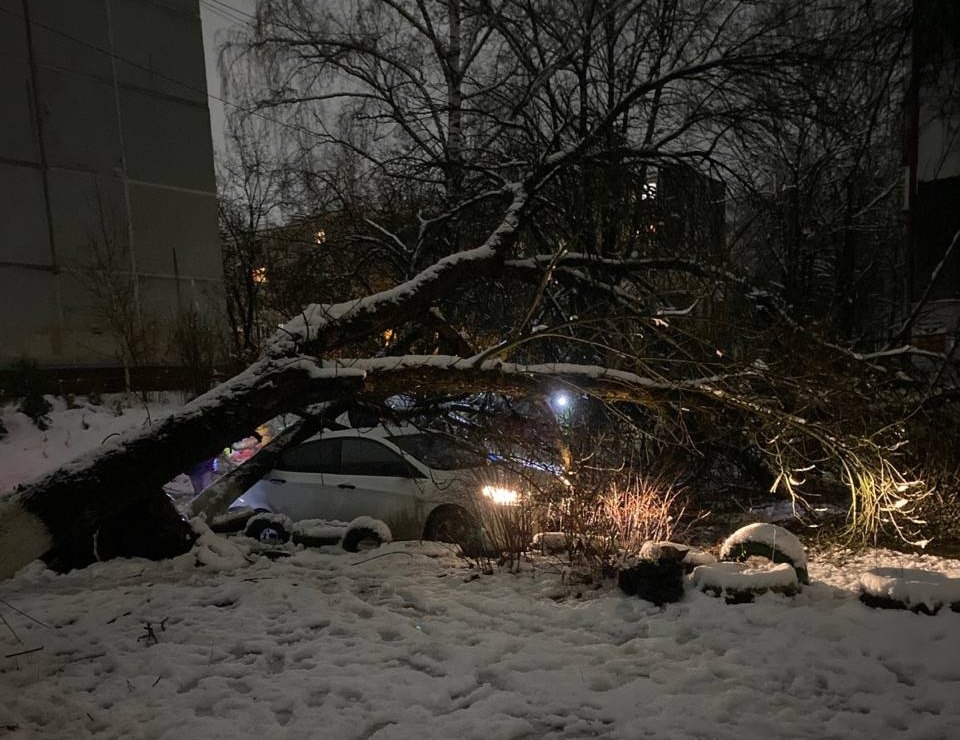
[
  {"x": 374, "y": 525},
  {"x": 911, "y": 587},
  {"x": 26, "y": 452},
  {"x": 215, "y": 552},
  {"x": 740, "y": 577},
  {"x": 768, "y": 534},
  {"x": 320, "y": 528},
  {"x": 653, "y": 550},
  {"x": 411, "y": 642}
]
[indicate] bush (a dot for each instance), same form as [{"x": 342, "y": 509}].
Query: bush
[{"x": 25, "y": 382}]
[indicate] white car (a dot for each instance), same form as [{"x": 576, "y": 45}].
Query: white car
[{"x": 421, "y": 484}]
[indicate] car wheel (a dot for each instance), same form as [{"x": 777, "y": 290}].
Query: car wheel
[
  {"x": 267, "y": 532},
  {"x": 361, "y": 539},
  {"x": 454, "y": 524}
]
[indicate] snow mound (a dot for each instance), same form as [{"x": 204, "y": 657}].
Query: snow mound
[
  {"x": 739, "y": 582},
  {"x": 769, "y": 541},
  {"x": 321, "y": 529},
  {"x": 903, "y": 588},
  {"x": 686, "y": 555},
  {"x": 215, "y": 552}
]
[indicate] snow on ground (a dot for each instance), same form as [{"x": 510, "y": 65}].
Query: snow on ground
[
  {"x": 410, "y": 642},
  {"x": 27, "y": 452}
]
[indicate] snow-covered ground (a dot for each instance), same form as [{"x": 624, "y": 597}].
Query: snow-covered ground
[
  {"x": 410, "y": 641},
  {"x": 27, "y": 452}
]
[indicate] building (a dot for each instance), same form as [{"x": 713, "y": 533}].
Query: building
[
  {"x": 107, "y": 189},
  {"x": 932, "y": 172}
]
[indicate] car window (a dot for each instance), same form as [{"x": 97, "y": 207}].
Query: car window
[
  {"x": 438, "y": 451},
  {"x": 366, "y": 457},
  {"x": 320, "y": 456}
]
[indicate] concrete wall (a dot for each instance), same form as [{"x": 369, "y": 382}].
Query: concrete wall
[{"x": 105, "y": 159}]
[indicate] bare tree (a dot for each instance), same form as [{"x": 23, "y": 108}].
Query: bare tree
[
  {"x": 107, "y": 274},
  {"x": 488, "y": 113}
]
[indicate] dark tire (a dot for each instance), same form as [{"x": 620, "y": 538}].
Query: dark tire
[
  {"x": 450, "y": 523},
  {"x": 267, "y": 532},
  {"x": 744, "y": 550},
  {"x": 361, "y": 538},
  {"x": 767, "y": 541}
]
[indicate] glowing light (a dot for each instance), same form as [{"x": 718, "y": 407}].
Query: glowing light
[
  {"x": 320, "y": 236},
  {"x": 561, "y": 400},
  {"x": 259, "y": 275},
  {"x": 501, "y": 495}
]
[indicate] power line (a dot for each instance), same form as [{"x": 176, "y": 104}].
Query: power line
[
  {"x": 221, "y": 11},
  {"x": 230, "y": 8}
]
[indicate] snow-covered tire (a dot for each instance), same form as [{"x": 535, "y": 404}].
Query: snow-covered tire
[
  {"x": 365, "y": 533},
  {"x": 738, "y": 583},
  {"x": 920, "y": 591},
  {"x": 767, "y": 541},
  {"x": 361, "y": 538},
  {"x": 269, "y": 529}
]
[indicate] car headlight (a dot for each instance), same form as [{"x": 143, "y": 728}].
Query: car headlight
[{"x": 501, "y": 495}]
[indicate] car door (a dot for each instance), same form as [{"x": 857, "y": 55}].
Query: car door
[
  {"x": 375, "y": 481},
  {"x": 297, "y": 486}
]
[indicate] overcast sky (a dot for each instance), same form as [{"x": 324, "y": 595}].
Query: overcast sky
[{"x": 218, "y": 16}]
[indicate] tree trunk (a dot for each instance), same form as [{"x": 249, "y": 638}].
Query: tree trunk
[
  {"x": 215, "y": 499},
  {"x": 73, "y": 501}
]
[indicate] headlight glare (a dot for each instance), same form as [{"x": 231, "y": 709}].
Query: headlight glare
[{"x": 501, "y": 495}]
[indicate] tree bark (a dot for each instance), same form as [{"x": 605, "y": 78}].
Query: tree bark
[
  {"x": 215, "y": 499},
  {"x": 131, "y": 470}
]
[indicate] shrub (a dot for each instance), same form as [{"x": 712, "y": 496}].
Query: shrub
[{"x": 25, "y": 382}]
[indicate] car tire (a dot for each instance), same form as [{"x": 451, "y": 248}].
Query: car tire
[
  {"x": 745, "y": 543},
  {"x": 454, "y": 524},
  {"x": 361, "y": 538},
  {"x": 267, "y": 532}
]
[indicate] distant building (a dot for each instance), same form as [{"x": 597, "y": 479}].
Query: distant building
[
  {"x": 106, "y": 173},
  {"x": 932, "y": 176}
]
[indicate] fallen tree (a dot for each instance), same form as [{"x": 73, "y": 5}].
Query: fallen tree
[{"x": 495, "y": 281}]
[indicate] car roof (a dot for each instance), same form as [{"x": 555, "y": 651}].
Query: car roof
[{"x": 377, "y": 432}]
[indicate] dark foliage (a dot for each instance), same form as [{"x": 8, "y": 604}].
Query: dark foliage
[
  {"x": 25, "y": 382},
  {"x": 659, "y": 581}
]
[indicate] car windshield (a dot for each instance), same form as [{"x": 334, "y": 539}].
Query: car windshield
[{"x": 438, "y": 451}]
